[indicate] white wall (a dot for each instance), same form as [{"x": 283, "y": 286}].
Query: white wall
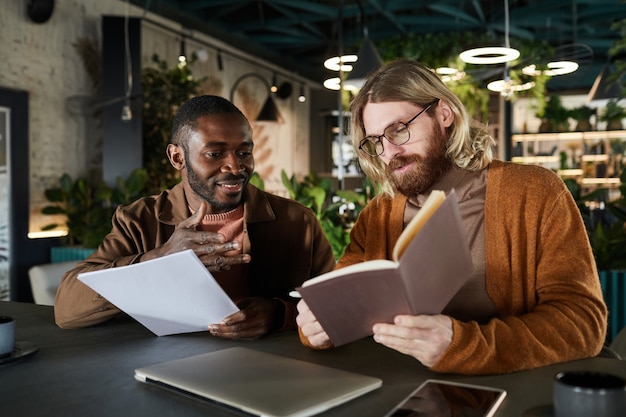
[
  {"x": 40, "y": 59},
  {"x": 524, "y": 110}
]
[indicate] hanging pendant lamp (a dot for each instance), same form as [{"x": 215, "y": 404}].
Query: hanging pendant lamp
[{"x": 493, "y": 54}]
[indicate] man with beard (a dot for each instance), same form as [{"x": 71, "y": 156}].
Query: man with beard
[
  {"x": 534, "y": 297},
  {"x": 257, "y": 246}
]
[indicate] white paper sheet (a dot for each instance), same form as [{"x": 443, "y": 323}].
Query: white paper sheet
[{"x": 169, "y": 295}]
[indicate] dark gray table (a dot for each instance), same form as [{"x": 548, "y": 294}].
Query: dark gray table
[{"x": 89, "y": 372}]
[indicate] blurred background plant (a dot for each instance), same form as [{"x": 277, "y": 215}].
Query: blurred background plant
[
  {"x": 336, "y": 211},
  {"x": 89, "y": 206},
  {"x": 164, "y": 89},
  {"x": 605, "y": 222}
]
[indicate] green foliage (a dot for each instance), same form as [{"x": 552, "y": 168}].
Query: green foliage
[
  {"x": 563, "y": 160},
  {"x": 540, "y": 53},
  {"x": 609, "y": 245},
  {"x": 88, "y": 206},
  {"x": 618, "y": 51},
  {"x": 475, "y": 98},
  {"x": 607, "y": 234},
  {"x": 432, "y": 49},
  {"x": 164, "y": 90},
  {"x": 556, "y": 114},
  {"x": 442, "y": 50},
  {"x": 336, "y": 213},
  {"x": 618, "y": 146},
  {"x": 581, "y": 113},
  {"x": 618, "y": 207},
  {"x": 257, "y": 181},
  {"x": 612, "y": 111},
  {"x": 312, "y": 191}
]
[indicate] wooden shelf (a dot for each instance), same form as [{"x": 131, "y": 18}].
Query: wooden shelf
[
  {"x": 588, "y": 167},
  {"x": 535, "y": 159},
  {"x": 600, "y": 181},
  {"x": 595, "y": 158},
  {"x": 570, "y": 136}
]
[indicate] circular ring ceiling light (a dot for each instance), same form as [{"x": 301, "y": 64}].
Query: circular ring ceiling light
[
  {"x": 502, "y": 85},
  {"x": 333, "y": 63},
  {"x": 332, "y": 83},
  {"x": 554, "y": 68},
  {"x": 489, "y": 55},
  {"x": 448, "y": 74}
]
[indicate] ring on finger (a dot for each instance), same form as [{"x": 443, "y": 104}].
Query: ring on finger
[{"x": 220, "y": 261}]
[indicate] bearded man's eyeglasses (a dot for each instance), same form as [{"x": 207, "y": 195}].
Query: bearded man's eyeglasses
[{"x": 396, "y": 133}]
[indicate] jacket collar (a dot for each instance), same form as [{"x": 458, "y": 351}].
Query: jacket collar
[{"x": 256, "y": 206}]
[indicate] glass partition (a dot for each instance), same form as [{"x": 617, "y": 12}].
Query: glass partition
[{"x": 5, "y": 189}]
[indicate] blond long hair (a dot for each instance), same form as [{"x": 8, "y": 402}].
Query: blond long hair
[{"x": 469, "y": 144}]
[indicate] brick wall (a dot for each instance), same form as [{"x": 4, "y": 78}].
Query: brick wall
[{"x": 40, "y": 59}]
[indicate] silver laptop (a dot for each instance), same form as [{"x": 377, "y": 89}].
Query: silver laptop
[{"x": 259, "y": 383}]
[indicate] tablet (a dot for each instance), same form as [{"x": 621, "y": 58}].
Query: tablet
[{"x": 447, "y": 398}]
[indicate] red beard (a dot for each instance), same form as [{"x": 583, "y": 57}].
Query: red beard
[{"x": 425, "y": 171}]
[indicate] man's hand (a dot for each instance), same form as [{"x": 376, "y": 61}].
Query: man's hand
[
  {"x": 425, "y": 338},
  {"x": 209, "y": 247},
  {"x": 310, "y": 327},
  {"x": 257, "y": 317}
]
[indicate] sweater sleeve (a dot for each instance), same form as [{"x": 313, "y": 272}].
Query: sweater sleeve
[
  {"x": 76, "y": 305},
  {"x": 542, "y": 277}
]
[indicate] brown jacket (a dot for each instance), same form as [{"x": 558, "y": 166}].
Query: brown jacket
[
  {"x": 540, "y": 274},
  {"x": 284, "y": 239}
]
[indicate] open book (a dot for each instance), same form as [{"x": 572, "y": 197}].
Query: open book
[{"x": 431, "y": 263}]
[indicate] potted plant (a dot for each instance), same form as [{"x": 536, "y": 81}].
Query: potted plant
[
  {"x": 582, "y": 115},
  {"x": 88, "y": 207},
  {"x": 164, "y": 89},
  {"x": 618, "y": 150},
  {"x": 613, "y": 114},
  {"x": 554, "y": 116}
]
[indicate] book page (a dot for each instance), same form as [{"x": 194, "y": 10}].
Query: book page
[
  {"x": 434, "y": 200},
  {"x": 438, "y": 260},
  {"x": 374, "y": 265},
  {"x": 348, "y": 305}
]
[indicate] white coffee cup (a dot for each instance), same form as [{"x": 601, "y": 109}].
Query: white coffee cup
[
  {"x": 7, "y": 336},
  {"x": 585, "y": 394}
]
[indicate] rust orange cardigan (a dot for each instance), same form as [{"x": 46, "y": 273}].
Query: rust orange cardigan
[{"x": 540, "y": 274}]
